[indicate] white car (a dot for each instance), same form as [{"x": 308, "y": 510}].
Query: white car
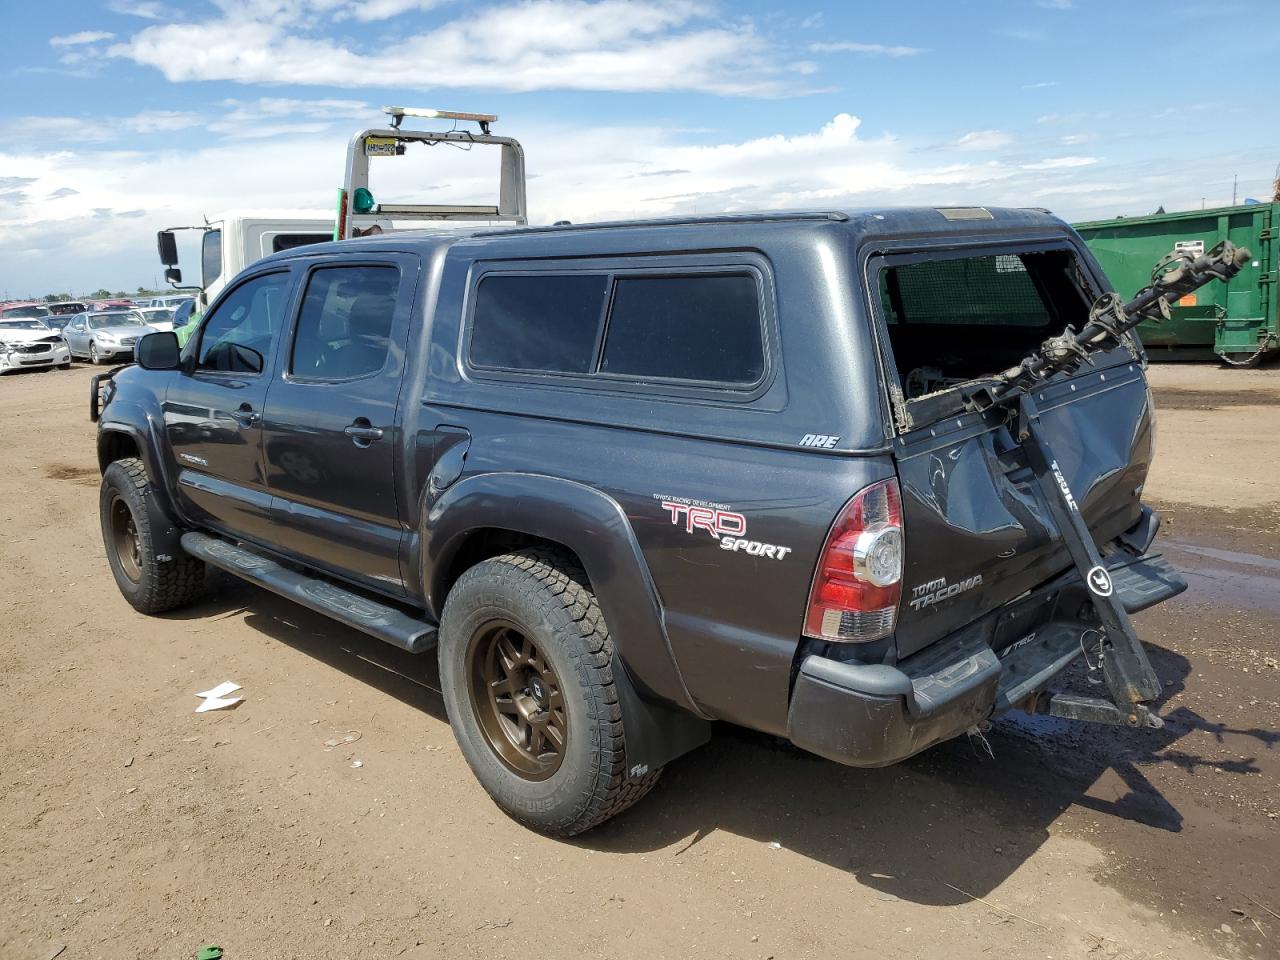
[
  {"x": 158, "y": 318},
  {"x": 26, "y": 343}
]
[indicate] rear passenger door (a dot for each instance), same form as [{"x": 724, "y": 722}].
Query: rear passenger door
[{"x": 331, "y": 428}]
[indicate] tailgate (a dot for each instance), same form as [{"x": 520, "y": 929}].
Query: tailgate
[{"x": 978, "y": 532}]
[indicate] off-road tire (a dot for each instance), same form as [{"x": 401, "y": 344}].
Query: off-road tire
[
  {"x": 162, "y": 583},
  {"x": 547, "y": 595}
]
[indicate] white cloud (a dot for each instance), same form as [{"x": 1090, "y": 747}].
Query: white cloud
[
  {"x": 160, "y": 121},
  {"x": 96, "y": 129},
  {"x": 146, "y": 9},
  {"x": 84, "y": 36},
  {"x": 98, "y": 236},
  {"x": 1060, "y": 163},
  {"x": 1040, "y": 85},
  {"x": 370, "y": 10},
  {"x": 853, "y": 46},
  {"x": 530, "y": 45},
  {"x": 283, "y": 116},
  {"x": 982, "y": 140},
  {"x": 1056, "y": 4}
]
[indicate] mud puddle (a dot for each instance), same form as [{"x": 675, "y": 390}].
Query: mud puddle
[{"x": 1226, "y": 578}]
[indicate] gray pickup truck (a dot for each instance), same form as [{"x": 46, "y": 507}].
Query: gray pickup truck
[{"x": 627, "y": 479}]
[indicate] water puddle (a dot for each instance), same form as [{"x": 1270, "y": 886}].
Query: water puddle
[{"x": 1226, "y": 556}]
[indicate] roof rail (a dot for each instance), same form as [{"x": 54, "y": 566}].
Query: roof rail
[{"x": 764, "y": 216}]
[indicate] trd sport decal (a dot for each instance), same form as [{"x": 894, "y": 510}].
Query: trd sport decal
[{"x": 720, "y": 522}]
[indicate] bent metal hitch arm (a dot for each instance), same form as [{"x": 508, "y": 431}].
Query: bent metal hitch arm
[{"x": 1130, "y": 678}]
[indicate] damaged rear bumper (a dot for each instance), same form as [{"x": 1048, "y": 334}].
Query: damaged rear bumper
[{"x": 873, "y": 715}]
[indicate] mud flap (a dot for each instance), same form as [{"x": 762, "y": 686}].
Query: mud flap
[{"x": 655, "y": 734}]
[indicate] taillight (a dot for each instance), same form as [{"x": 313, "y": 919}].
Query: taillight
[{"x": 858, "y": 583}]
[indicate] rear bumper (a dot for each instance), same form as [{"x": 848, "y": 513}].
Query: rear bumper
[{"x": 873, "y": 715}]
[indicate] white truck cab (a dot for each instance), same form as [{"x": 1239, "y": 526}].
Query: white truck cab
[{"x": 231, "y": 241}]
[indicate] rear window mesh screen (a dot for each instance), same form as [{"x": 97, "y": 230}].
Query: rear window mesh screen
[{"x": 994, "y": 290}]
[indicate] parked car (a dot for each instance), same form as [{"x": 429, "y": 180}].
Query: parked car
[
  {"x": 102, "y": 336},
  {"x": 159, "y": 318},
  {"x": 20, "y": 310},
  {"x": 65, "y": 308},
  {"x": 95, "y": 306},
  {"x": 26, "y": 343},
  {"x": 168, "y": 300},
  {"x": 625, "y": 480}
]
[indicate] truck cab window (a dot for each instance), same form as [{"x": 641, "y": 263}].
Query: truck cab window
[
  {"x": 344, "y": 327},
  {"x": 240, "y": 334},
  {"x": 211, "y": 257}
]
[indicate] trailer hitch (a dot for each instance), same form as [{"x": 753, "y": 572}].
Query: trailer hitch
[{"x": 1094, "y": 710}]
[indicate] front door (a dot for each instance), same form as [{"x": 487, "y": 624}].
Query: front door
[
  {"x": 213, "y": 413},
  {"x": 331, "y": 429}
]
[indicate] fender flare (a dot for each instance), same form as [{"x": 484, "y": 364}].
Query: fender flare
[
  {"x": 165, "y": 527},
  {"x": 661, "y": 719}
]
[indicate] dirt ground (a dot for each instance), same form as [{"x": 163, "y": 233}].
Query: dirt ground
[{"x": 132, "y": 827}]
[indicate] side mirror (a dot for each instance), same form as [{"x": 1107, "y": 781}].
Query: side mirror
[
  {"x": 172, "y": 275},
  {"x": 245, "y": 359},
  {"x": 159, "y": 351},
  {"x": 168, "y": 248}
]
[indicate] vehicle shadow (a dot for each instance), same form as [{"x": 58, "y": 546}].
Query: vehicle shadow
[
  {"x": 410, "y": 678},
  {"x": 947, "y": 825}
]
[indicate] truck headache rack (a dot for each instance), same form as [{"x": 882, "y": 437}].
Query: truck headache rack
[
  {"x": 1129, "y": 676},
  {"x": 356, "y": 202}
]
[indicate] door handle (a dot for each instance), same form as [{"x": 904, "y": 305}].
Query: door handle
[
  {"x": 362, "y": 432},
  {"x": 246, "y": 416}
]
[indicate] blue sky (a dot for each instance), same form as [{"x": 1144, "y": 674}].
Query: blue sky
[{"x": 118, "y": 117}]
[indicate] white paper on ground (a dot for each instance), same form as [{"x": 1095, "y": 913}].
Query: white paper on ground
[
  {"x": 221, "y": 690},
  {"x": 216, "y": 703}
]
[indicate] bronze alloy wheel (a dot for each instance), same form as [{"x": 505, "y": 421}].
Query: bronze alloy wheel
[
  {"x": 124, "y": 538},
  {"x": 517, "y": 699}
]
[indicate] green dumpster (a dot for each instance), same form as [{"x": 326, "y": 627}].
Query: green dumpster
[{"x": 1240, "y": 320}]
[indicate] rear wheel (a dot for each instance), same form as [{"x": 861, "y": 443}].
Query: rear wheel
[
  {"x": 150, "y": 581},
  {"x": 526, "y": 667}
]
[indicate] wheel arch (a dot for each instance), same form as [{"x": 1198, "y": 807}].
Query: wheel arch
[
  {"x": 120, "y": 439},
  {"x": 488, "y": 514}
]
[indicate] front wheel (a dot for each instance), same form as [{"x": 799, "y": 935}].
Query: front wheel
[
  {"x": 151, "y": 581},
  {"x": 526, "y": 668},
  {"x": 94, "y": 357}
]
